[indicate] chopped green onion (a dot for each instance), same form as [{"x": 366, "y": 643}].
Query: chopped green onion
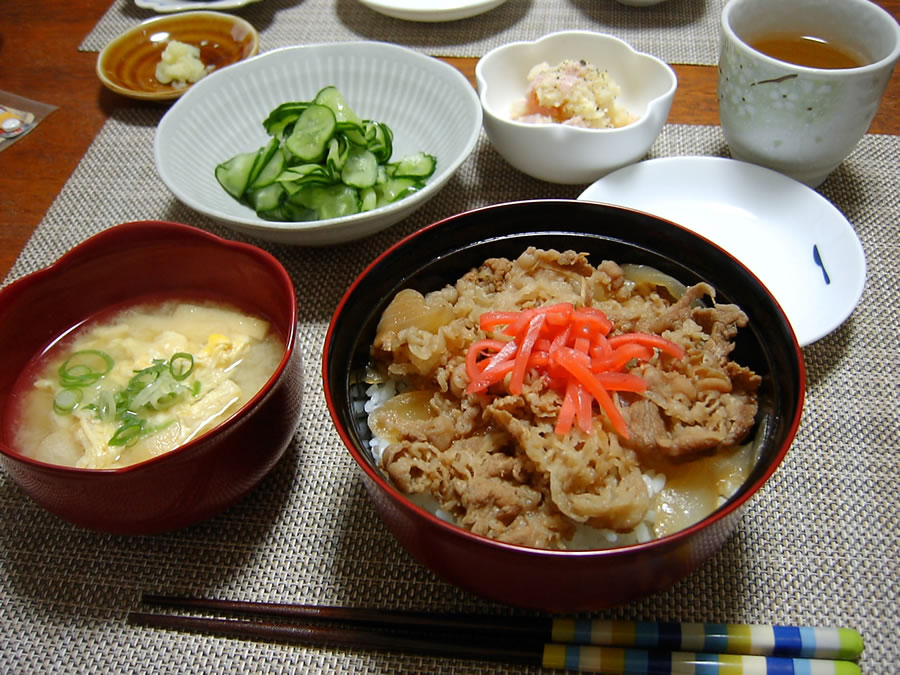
[
  {"x": 128, "y": 434},
  {"x": 181, "y": 365},
  {"x": 106, "y": 406},
  {"x": 67, "y": 400},
  {"x": 158, "y": 427},
  {"x": 127, "y": 415},
  {"x": 84, "y": 367},
  {"x": 156, "y": 387},
  {"x": 166, "y": 400},
  {"x": 146, "y": 376}
]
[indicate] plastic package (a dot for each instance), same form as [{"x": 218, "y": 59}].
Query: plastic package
[{"x": 18, "y": 116}]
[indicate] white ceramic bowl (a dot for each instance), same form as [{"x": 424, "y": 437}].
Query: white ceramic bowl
[
  {"x": 428, "y": 104},
  {"x": 566, "y": 154}
]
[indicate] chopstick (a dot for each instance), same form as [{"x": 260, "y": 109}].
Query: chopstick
[
  {"x": 525, "y": 628},
  {"x": 352, "y": 638},
  {"x": 753, "y": 639},
  {"x": 618, "y": 647}
]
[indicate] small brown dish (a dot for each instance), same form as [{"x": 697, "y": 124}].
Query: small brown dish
[{"x": 127, "y": 65}]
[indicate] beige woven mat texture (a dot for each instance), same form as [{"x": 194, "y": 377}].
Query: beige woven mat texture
[
  {"x": 677, "y": 31},
  {"x": 818, "y": 545}
]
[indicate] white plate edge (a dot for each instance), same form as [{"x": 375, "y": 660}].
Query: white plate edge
[{"x": 806, "y": 335}]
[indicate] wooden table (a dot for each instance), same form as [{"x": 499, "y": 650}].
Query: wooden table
[{"x": 40, "y": 60}]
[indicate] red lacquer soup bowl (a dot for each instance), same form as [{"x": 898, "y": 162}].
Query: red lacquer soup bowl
[
  {"x": 559, "y": 580},
  {"x": 125, "y": 265}
]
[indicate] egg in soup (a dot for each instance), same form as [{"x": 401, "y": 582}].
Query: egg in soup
[{"x": 141, "y": 383}]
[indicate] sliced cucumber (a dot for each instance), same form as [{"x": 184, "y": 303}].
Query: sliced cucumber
[
  {"x": 262, "y": 158},
  {"x": 270, "y": 166},
  {"x": 322, "y": 161},
  {"x": 287, "y": 212},
  {"x": 331, "y": 98},
  {"x": 394, "y": 189},
  {"x": 382, "y": 143},
  {"x": 266, "y": 198},
  {"x": 368, "y": 199},
  {"x": 338, "y": 152},
  {"x": 295, "y": 178},
  {"x": 311, "y": 133},
  {"x": 361, "y": 169},
  {"x": 234, "y": 175},
  {"x": 419, "y": 165},
  {"x": 284, "y": 115},
  {"x": 369, "y": 129},
  {"x": 306, "y": 171},
  {"x": 328, "y": 201},
  {"x": 353, "y": 133}
]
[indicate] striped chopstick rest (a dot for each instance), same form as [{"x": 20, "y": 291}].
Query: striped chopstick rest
[
  {"x": 624, "y": 661},
  {"x": 749, "y": 639}
]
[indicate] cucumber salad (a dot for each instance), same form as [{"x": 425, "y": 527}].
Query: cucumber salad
[{"x": 322, "y": 161}]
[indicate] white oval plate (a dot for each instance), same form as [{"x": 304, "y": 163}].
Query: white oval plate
[
  {"x": 431, "y": 10},
  {"x": 793, "y": 239},
  {"x": 165, "y": 6}
]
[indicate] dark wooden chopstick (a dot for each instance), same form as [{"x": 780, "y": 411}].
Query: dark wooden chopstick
[
  {"x": 345, "y": 637},
  {"x": 523, "y": 627}
]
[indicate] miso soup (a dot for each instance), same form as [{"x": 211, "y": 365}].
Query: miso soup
[{"x": 141, "y": 382}]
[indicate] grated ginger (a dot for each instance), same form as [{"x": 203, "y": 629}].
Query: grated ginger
[{"x": 180, "y": 64}]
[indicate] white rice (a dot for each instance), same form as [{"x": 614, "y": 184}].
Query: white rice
[{"x": 378, "y": 394}]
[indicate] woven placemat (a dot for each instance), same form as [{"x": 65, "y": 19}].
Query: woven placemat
[
  {"x": 817, "y": 546},
  {"x": 677, "y": 31}
]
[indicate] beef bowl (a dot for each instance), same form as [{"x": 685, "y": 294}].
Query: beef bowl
[
  {"x": 150, "y": 377},
  {"x": 572, "y": 398}
]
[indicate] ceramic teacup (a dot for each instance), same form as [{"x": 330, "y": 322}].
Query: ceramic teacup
[{"x": 802, "y": 120}]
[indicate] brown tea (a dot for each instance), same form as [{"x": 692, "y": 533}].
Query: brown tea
[{"x": 806, "y": 50}]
